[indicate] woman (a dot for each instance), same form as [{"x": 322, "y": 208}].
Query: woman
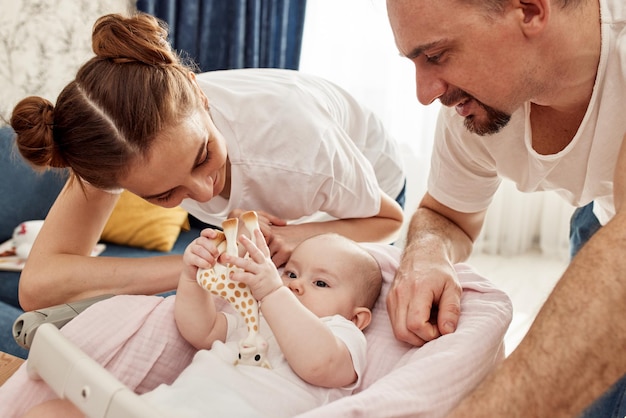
[{"x": 290, "y": 146}]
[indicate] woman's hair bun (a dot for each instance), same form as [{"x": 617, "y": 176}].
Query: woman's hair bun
[
  {"x": 33, "y": 122},
  {"x": 139, "y": 38}
]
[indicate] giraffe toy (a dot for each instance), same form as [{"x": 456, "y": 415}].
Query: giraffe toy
[{"x": 252, "y": 349}]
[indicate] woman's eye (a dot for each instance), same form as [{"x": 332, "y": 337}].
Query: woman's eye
[
  {"x": 206, "y": 158},
  {"x": 320, "y": 283}
]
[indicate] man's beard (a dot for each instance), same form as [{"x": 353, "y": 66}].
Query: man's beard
[{"x": 494, "y": 121}]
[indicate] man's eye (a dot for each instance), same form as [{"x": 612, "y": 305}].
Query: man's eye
[
  {"x": 320, "y": 283},
  {"x": 433, "y": 59}
]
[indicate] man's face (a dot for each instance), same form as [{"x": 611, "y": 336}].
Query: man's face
[{"x": 464, "y": 57}]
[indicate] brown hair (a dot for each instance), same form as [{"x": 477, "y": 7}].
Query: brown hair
[
  {"x": 134, "y": 87},
  {"x": 371, "y": 278}
]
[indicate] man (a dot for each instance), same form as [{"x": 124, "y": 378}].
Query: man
[{"x": 534, "y": 91}]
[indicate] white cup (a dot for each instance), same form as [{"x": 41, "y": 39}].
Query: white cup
[{"x": 24, "y": 237}]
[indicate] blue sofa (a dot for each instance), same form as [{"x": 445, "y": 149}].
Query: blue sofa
[{"x": 28, "y": 195}]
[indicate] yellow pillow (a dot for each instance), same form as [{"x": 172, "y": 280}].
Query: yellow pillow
[{"x": 138, "y": 223}]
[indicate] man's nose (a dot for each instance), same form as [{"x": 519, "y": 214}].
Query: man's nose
[{"x": 428, "y": 86}]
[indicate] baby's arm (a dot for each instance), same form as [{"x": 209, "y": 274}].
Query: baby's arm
[
  {"x": 196, "y": 316},
  {"x": 311, "y": 349}
]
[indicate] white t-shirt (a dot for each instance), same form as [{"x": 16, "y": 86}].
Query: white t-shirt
[
  {"x": 466, "y": 169},
  {"x": 298, "y": 145},
  {"x": 213, "y": 386}
]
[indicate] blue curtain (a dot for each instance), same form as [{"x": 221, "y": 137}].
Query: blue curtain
[{"x": 226, "y": 34}]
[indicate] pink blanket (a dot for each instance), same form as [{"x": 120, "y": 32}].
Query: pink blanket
[{"x": 135, "y": 338}]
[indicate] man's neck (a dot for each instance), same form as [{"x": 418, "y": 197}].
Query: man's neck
[{"x": 572, "y": 57}]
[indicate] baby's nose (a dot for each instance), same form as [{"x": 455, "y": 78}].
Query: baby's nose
[{"x": 295, "y": 286}]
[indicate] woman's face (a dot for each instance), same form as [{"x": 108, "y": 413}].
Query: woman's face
[{"x": 187, "y": 161}]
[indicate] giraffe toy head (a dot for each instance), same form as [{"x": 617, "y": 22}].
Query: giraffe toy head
[
  {"x": 253, "y": 349},
  {"x": 253, "y": 353}
]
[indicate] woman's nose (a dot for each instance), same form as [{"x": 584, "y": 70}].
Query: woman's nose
[{"x": 200, "y": 188}]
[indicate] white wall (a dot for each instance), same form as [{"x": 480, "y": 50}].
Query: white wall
[{"x": 42, "y": 44}]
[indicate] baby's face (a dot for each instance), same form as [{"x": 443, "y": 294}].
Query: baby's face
[{"x": 321, "y": 275}]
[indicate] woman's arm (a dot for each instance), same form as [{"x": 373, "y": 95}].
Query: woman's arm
[
  {"x": 59, "y": 268},
  {"x": 383, "y": 227}
]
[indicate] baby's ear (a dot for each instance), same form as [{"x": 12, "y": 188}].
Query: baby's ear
[{"x": 361, "y": 317}]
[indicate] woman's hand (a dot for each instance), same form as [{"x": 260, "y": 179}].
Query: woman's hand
[{"x": 266, "y": 220}]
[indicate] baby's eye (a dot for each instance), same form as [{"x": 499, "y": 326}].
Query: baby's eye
[
  {"x": 292, "y": 275},
  {"x": 320, "y": 283}
]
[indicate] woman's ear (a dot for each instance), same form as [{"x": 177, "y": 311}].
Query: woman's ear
[{"x": 361, "y": 317}]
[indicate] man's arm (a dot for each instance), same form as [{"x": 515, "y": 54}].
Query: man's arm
[
  {"x": 574, "y": 350},
  {"x": 426, "y": 283}
]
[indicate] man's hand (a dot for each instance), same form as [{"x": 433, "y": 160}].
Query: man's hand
[{"x": 424, "y": 302}]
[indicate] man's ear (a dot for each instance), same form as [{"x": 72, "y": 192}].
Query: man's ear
[
  {"x": 361, "y": 317},
  {"x": 534, "y": 15}
]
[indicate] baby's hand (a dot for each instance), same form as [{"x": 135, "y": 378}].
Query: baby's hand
[
  {"x": 259, "y": 272},
  {"x": 201, "y": 253}
]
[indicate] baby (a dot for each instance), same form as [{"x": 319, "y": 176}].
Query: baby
[{"x": 312, "y": 316}]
